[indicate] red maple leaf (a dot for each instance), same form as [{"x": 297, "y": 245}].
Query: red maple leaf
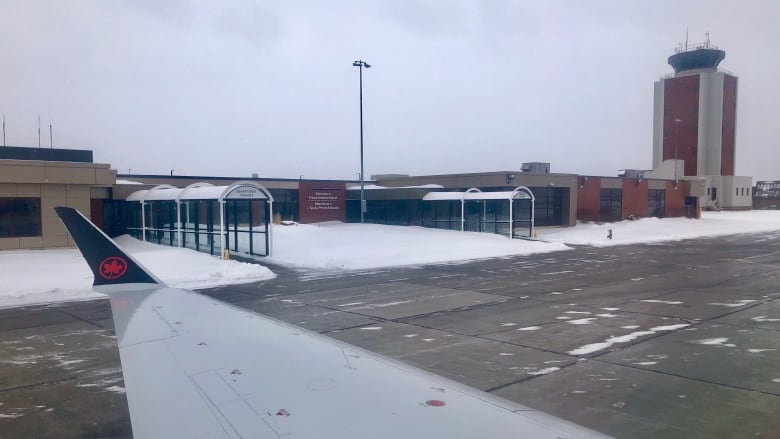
[{"x": 113, "y": 269}]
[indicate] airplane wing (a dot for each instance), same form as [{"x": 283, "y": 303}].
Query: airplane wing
[{"x": 195, "y": 367}]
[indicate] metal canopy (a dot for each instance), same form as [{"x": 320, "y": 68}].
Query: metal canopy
[
  {"x": 474, "y": 194},
  {"x": 158, "y": 193},
  {"x": 240, "y": 190},
  {"x": 478, "y": 195}
]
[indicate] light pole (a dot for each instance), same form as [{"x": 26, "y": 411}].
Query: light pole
[
  {"x": 677, "y": 122},
  {"x": 360, "y": 64}
]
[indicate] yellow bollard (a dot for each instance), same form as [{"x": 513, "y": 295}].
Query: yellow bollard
[{"x": 226, "y": 256}]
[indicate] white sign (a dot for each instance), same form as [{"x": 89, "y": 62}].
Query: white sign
[{"x": 246, "y": 193}]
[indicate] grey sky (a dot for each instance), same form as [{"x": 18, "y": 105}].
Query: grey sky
[{"x": 233, "y": 87}]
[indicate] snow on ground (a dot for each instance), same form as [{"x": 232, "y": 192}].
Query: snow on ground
[
  {"x": 340, "y": 246},
  {"x": 666, "y": 229},
  {"x": 45, "y": 276},
  {"x": 335, "y": 245},
  {"x": 595, "y": 347},
  {"x": 42, "y": 276},
  {"x": 191, "y": 269}
]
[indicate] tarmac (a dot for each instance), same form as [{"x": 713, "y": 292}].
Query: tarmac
[{"x": 673, "y": 340}]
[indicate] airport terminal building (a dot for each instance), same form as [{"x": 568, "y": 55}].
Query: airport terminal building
[{"x": 34, "y": 180}]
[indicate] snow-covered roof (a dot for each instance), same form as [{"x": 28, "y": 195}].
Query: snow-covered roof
[
  {"x": 520, "y": 193},
  {"x": 137, "y": 195},
  {"x": 164, "y": 194},
  {"x": 159, "y": 192},
  {"x": 204, "y": 193},
  {"x": 496, "y": 196},
  {"x": 247, "y": 190},
  {"x": 374, "y": 186},
  {"x": 443, "y": 196}
]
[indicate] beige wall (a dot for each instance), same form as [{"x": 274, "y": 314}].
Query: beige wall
[
  {"x": 56, "y": 184},
  {"x": 656, "y": 184},
  {"x": 34, "y": 171},
  {"x": 611, "y": 183},
  {"x": 181, "y": 182}
]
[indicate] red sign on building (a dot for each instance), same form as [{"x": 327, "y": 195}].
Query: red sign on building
[{"x": 320, "y": 202}]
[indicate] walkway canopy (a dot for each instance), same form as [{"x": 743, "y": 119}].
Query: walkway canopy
[
  {"x": 206, "y": 217},
  {"x": 509, "y": 213}
]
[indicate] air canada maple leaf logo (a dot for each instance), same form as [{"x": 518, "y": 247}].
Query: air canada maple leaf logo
[{"x": 112, "y": 268}]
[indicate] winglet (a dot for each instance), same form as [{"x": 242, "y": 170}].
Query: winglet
[{"x": 109, "y": 264}]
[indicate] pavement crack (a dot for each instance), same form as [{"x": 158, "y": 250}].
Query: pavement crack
[{"x": 701, "y": 380}]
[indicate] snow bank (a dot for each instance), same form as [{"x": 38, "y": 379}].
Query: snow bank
[
  {"x": 185, "y": 268},
  {"x": 336, "y": 245},
  {"x": 667, "y": 229},
  {"x": 45, "y": 276}
]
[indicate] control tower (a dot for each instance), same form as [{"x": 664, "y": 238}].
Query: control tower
[
  {"x": 694, "y": 121},
  {"x": 696, "y": 112}
]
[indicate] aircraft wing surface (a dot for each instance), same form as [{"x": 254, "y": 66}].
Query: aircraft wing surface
[{"x": 197, "y": 367}]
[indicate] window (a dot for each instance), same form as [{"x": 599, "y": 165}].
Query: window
[
  {"x": 20, "y": 217},
  {"x": 285, "y": 204},
  {"x": 548, "y": 206},
  {"x": 443, "y": 214},
  {"x": 394, "y": 212},
  {"x": 655, "y": 202},
  {"x": 611, "y": 204},
  {"x": 737, "y": 194}
]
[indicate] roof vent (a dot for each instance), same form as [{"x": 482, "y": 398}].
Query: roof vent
[{"x": 536, "y": 167}]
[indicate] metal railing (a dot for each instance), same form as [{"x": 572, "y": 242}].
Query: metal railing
[{"x": 682, "y": 48}]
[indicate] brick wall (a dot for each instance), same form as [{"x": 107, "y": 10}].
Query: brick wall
[
  {"x": 588, "y": 196},
  {"x": 675, "y": 199},
  {"x": 681, "y": 100},
  {"x": 634, "y": 198}
]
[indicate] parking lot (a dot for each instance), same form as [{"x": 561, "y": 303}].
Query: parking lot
[{"x": 667, "y": 340}]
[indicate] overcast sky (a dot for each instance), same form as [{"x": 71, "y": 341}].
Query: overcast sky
[{"x": 235, "y": 87}]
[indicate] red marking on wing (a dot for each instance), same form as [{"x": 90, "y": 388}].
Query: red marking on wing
[{"x": 122, "y": 304}]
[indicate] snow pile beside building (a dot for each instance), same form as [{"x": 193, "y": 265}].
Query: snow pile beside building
[
  {"x": 336, "y": 245},
  {"x": 45, "y": 276},
  {"x": 184, "y": 268},
  {"x": 666, "y": 229}
]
